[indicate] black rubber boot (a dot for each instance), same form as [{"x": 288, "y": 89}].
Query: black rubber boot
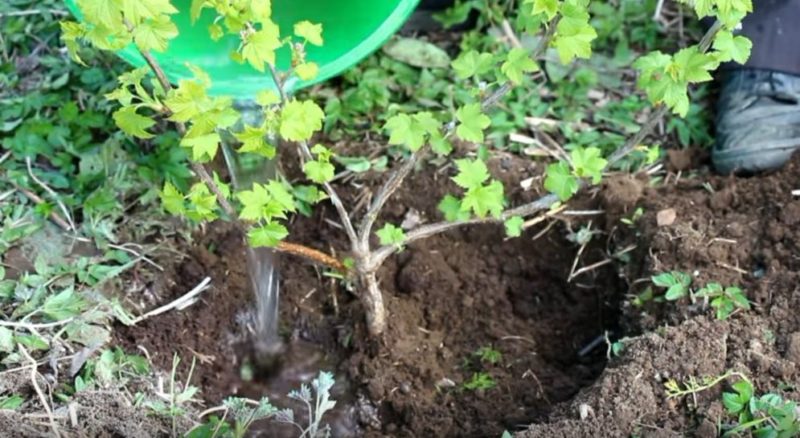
[{"x": 758, "y": 121}]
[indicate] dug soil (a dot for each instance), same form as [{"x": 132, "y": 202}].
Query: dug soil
[{"x": 451, "y": 295}]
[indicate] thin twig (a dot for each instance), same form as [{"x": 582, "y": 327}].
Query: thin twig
[
  {"x": 34, "y": 12},
  {"x": 38, "y": 200},
  {"x": 39, "y": 392},
  {"x": 52, "y": 193},
  {"x": 31, "y": 327},
  {"x": 181, "y": 303}
]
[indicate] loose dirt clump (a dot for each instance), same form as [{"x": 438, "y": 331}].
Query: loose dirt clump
[{"x": 735, "y": 231}]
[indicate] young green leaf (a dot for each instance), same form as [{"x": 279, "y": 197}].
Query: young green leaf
[
  {"x": 391, "y": 235},
  {"x": 71, "y": 33},
  {"x": 300, "y": 119},
  {"x": 204, "y": 147},
  {"x": 307, "y": 71},
  {"x": 518, "y": 62},
  {"x": 254, "y": 140},
  {"x": 450, "y": 206},
  {"x": 269, "y": 235},
  {"x": 155, "y": 34},
  {"x": 309, "y": 31},
  {"x": 560, "y": 181},
  {"x": 484, "y": 200},
  {"x": 729, "y": 47},
  {"x": 588, "y": 162},
  {"x": 471, "y": 173},
  {"x": 411, "y": 131},
  {"x": 318, "y": 171},
  {"x": 574, "y": 34},
  {"x": 471, "y": 63},
  {"x": 172, "y": 199},
  {"x": 132, "y": 123},
  {"x": 514, "y": 226},
  {"x": 260, "y": 46},
  {"x": 472, "y": 122},
  {"x": 548, "y": 7}
]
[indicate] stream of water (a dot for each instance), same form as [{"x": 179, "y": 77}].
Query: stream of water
[{"x": 262, "y": 263}]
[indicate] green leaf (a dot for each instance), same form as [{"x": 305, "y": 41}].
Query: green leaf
[
  {"x": 172, "y": 199},
  {"x": 204, "y": 147},
  {"x": 300, "y": 119},
  {"x": 11, "y": 402},
  {"x": 560, "y": 181},
  {"x": 135, "y": 11},
  {"x": 472, "y": 122},
  {"x": 268, "y": 235},
  {"x": 588, "y": 162},
  {"x": 155, "y": 34},
  {"x": 471, "y": 63},
  {"x": 736, "y": 48},
  {"x": 63, "y": 305},
  {"x": 665, "y": 279},
  {"x": 262, "y": 10},
  {"x": 514, "y": 226},
  {"x": 391, "y": 235},
  {"x": 32, "y": 341},
  {"x": 132, "y": 123},
  {"x": 71, "y": 33},
  {"x": 309, "y": 31},
  {"x": 548, "y": 7},
  {"x": 484, "y": 200},
  {"x": 259, "y": 47},
  {"x": 574, "y": 34},
  {"x": 281, "y": 195},
  {"x": 450, "y": 206},
  {"x": 692, "y": 66},
  {"x": 518, "y": 62},
  {"x": 471, "y": 173},
  {"x": 417, "y": 53},
  {"x": 105, "y": 13},
  {"x": 267, "y": 98},
  {"x": 253, "y": 202},
  {"x": 307, "y": 71},
  {"x": 319, "y": 172},
  {"x": 203, "y": 203},
  {"x": 6, "y": 340},
  {"x": 254, "y": 140},
  {"x": 440, "y": 145},
  {"x": 411, "y": 131}
]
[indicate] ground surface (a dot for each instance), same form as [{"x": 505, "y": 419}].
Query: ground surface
[{"x": 456, "y": 293}]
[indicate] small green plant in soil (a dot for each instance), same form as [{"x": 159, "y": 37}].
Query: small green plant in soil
[
  {"x": 479, "y": 381},
  {"x": 725, "y": 300},
  {"x": 485, "y": 79},
  {"x": 677, "y": 284},
  {"x": 767, "y": 415},
  {"x": 243, "y": 412},
  {"x": 489, "y": 355}
]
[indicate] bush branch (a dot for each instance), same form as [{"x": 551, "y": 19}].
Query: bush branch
[
  {"x": 202, "y": 172},
  {"x": 398, "y": 176},
  {"x": 377, "y": 258}
]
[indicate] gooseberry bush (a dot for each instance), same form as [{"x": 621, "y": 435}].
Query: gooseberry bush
[{"x": 148, "y": 100}]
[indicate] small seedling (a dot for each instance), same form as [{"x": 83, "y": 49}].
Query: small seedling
[
  {"x": 677, "y": 284},
  {"x": 489, "y": 355},
  {"x": 725, "y": 300},
  {"x": 631, "y": 221},
  {"x": 246, "y": 413},
  {"x": 766, "y": 416},
  {"x": 480, "y": 381}
]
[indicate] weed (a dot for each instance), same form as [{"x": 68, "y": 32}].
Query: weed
[
  {"x": 172, "y": 404},
  {"x": 631, "y": 221},
  {"x": 725, "y": 299},
  {"x": 677, "y": 284},
  {"x": 479, "y": 381},
  {"x": 489, "y": 355}
]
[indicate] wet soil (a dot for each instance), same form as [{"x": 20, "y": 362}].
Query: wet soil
[
  {"x": 447, "y": 297},
  {"x": 452, "y": 294}
]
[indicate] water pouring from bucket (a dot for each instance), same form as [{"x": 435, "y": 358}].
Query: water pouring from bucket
[{"x": 233, "y": 44}]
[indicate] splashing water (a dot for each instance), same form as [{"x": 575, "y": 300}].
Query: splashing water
[{"x": 262, "y": 263}]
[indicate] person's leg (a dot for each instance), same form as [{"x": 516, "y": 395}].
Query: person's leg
[{"x": 758, "y": 113}]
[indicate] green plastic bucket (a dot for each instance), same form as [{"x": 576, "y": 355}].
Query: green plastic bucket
[{"x": 352, "y": 29}]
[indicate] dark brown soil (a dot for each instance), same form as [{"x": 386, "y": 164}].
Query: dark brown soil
[
  {"x": 455, "y": 293},
  {"x": 447, "y": 297},
  {"x": 736, "y": 231}
]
